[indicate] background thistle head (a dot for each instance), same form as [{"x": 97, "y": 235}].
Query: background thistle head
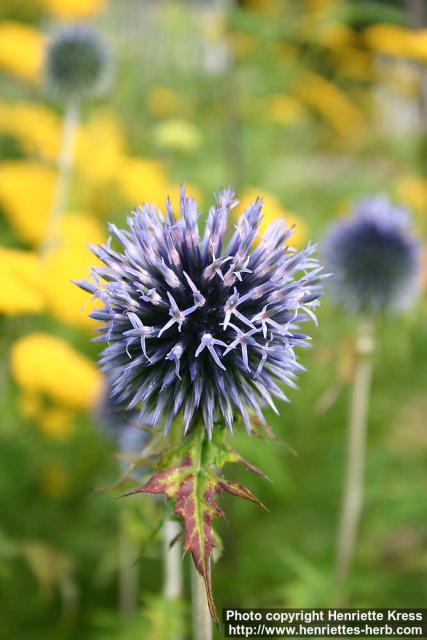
[
  {"x": 77, "y": 63},
  {"x": 197, "y": 326},
  {"x": 373, "y": 257}
]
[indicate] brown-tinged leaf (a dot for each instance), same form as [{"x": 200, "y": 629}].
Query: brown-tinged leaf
[{"x": 193, "y": 479}]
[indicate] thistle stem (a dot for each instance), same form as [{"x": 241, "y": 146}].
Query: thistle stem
[
  {"x": 65, "y": 166},
  {"x": 202, "y": 624},
  {"x": 172, "y": 564},
  {"x": 356, "y": 453},
  {"x": 128, "y": 572},
  {"x": 172, "y": 567}
]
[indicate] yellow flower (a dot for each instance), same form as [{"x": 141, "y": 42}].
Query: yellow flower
[
  {"x": 284, "y": 109},
  {"x": 352, "y": 62},
  {"x": 46, "y": 365},
  {"x": 100, "y": 151},
  {"x": 179, "y": 135},
  {"x": 336, "y": 35},
  {"x": 143, "y": 180},
  {"x": 73, "y": 9},
  {"x": 412, "y": 192},
  {"x": 71, "y": 260},
  {"x": 56, "y": 423},
  {"x": 21, "y": 282},
  {"x": 162, "y": 102},
  {"x": 272, "y": 211},
  {"x": 323, "y": 96},
  {"x": 390, "y": 39},
  {"x": 35, "y": 126},
  {"x": 26, "y": 192},
  {"x": 419, "y": 45},
  {"x": 21, "y": 50}
]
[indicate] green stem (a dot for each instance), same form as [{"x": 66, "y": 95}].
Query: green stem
[
  {"x": 172, "y": 564},
  {"x": 65, "y": 166},
  {"x": 128, "y": 572},
  {"x": 202, "y": 624},
  {"x": 356, "y": 454}
]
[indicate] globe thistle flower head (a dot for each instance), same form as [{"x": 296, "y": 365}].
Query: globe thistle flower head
[
  {"x": 198, "y": 326},
  {"x": 77, "y": 63},
  {"x": 374, "y": 258}
]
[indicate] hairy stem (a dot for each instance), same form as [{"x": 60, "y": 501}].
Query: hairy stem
[
  {"x": 65, "y": 166},
  {"x": 356, "y": 453},
  {"x": 202, "y": 624}
]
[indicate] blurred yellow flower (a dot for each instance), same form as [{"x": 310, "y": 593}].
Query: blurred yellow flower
[
  {"x": 71, "y": 260},
  {"x": 352, "y": 62},
  {"x": 35, "y": 126},
  {"x": 336, "y": 35},
  {"x": 143, "y": 180},
  {"x": 21, "y": 50},
  {"x": 390, "y": 39},
  {"x": 47, "y": 365},
  {"x": 162, "y": 102},
  {"x": 272, "y": 211},
  {"x": 323, "y": 96},
  {"x": 56, "y": 423},
  {"x": 101, "y": 146},
  {"x": 419, "y": 45},
  {"x": 21, "y": 282},
  {"x": 26, "y": 192},
  {"x": 77, "y": 229},
  {"x": 73, "y": 9},
  {"x": 284, "y": 109},
  {"x": 179, "y": 135},
  {"x": 412, "y": 192}
]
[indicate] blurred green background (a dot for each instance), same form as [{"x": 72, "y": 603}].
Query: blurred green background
[{"x": 311, "y": 103}]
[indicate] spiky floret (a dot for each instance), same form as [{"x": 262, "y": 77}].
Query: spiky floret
[
  {"x": 196, "y": 327},
  {"x": 374, "y": 258},
  {"x": 77, "y": 63}
]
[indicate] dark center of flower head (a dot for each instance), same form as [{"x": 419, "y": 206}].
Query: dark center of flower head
[{"x": 197, "y": 327}]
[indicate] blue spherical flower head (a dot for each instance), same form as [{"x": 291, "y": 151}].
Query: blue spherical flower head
[
  {"x": 200, "y": 326},
  {"x": 77, "y": 63},
  {"x": 373, "y": 257}
]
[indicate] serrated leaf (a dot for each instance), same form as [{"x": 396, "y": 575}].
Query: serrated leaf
[{"x": 191, "y": 476}]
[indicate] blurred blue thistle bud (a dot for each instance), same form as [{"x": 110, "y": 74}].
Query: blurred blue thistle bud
[
  {"x": 77, "y": 63},
  {"x": 197, "y": 326},
  {"x": 373, "y": 257}
]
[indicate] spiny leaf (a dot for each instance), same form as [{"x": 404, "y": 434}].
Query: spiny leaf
[{"x": 191, "y": 476}]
